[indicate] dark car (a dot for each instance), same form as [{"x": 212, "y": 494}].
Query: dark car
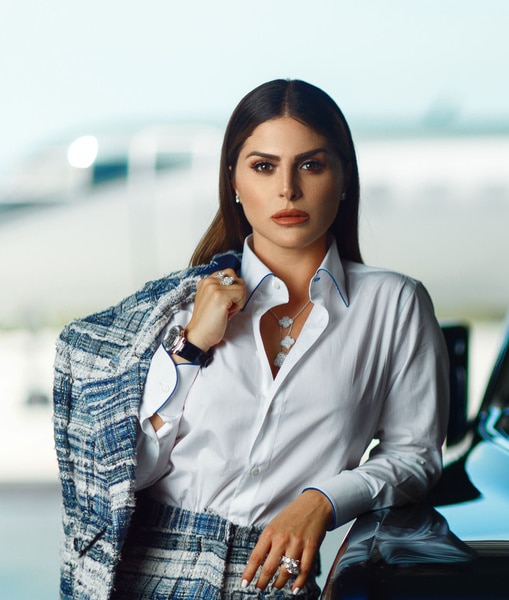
[{"x": 456, "y": 544}]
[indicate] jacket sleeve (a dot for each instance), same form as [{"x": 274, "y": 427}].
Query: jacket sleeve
[{"x": 62, "y": 392}]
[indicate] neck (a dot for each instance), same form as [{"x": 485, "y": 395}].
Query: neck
[{"x": 295, "y": 268}]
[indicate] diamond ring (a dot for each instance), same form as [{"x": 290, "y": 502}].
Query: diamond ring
[
  {"x": 290, "y": 564},
  {"x": 226, "y": 280}
]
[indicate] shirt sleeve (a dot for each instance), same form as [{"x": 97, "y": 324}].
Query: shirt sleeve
[
  {"x": 407, "y": 459},
  {"x": 166, "y": 389}
]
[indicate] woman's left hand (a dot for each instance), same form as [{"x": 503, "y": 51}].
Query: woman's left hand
[{"x": 297, "y": 532}]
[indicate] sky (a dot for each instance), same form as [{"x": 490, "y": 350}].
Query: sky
[{"x": 67, "y": 67}]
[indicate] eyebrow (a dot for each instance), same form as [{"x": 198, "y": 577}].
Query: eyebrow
[{"x": 299, "y": 157}]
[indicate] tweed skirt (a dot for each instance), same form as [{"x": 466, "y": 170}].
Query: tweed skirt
[{"x": 178, "y": 554}]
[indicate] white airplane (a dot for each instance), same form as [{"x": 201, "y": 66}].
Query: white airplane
[
  {"x": 98, "y": 218},
  {"x": 437, "y": 208}
]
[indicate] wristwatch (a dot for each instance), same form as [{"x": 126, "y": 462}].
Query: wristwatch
[{"x": 174, "y": 342}]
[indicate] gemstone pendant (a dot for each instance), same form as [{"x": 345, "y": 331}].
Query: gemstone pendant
[
  {"x": 286, "y": 322},
  {"x": 287, "y": 342},
  {"x": 280, "y": 359}
]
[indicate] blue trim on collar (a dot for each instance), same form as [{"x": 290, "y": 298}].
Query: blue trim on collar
[
  {"x": 257, "y": 286},
  {"x": 347, "y": 304}
]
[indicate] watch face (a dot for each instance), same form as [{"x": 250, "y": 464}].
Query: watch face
[
  {"x": 171, "y": 337},
  {"x": 174, "y": 342}
]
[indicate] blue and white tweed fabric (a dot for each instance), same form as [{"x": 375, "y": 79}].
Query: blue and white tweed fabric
[
  {"x": 100, "y": 369},
  {"x": 178, "y": 554}
]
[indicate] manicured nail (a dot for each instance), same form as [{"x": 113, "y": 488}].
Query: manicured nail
[
  {"x": 296, "y": 591},
  {"x": 244, "y": 583}
]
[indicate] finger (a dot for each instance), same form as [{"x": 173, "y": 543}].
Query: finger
[
  {"x": 238, "y": 301},
  {"x": 294, "y": 552},
  {"x": 306, "y": 566},
  {"x": 236, "y": 294},
  {"x": 214, "y": 280},
  {"x": 256, "y": 558},
  {"x": 214, "y": 306},
  {"x": 269, "y": 569},
  {"x": 232, "y": 286}
]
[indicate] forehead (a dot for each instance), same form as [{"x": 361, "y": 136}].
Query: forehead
[{"x": 284, "y": 135}]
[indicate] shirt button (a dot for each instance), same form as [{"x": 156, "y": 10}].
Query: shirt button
[
  {"x": 165, "y": 388},
  {"x": 255, "y": 471},
  {"x": 276, "y": 283}
]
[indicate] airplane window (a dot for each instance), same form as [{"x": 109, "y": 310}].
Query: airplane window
[{"x": 112, "y": 170}]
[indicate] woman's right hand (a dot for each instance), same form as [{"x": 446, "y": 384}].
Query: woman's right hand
[{"x": 214, "y": 305}]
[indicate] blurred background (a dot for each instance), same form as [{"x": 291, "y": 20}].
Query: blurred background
[{"x": 110, "y": 129}]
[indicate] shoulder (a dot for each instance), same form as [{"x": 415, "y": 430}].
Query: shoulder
[
  {"x": 359, "y": 274},
  {"x": 384, "y": 285}
]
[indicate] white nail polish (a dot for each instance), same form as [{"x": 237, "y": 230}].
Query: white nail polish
[
  {"x": 244, "y": 584},
  {"x": 296, "y": 591}
]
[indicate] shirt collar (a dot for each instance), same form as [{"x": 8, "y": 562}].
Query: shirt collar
[
  {"x": 332, "y": 271},
  {"x": 255, "y": 272}
]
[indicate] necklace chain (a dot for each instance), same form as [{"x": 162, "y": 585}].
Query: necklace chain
[{"x": 286, "y": 341}]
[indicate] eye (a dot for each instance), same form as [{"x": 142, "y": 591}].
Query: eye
[
  {"x": 315, "y": 166},
  {"x": 262, "y": 166}
]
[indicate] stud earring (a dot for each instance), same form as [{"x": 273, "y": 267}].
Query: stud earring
[
  {"x": 237, "y": 199},
  {"x": 343, "y": 196}
]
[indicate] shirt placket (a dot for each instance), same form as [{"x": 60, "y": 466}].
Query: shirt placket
[
  {"x": 264, "y": 430},
  {"x": 271, "y": 397}
]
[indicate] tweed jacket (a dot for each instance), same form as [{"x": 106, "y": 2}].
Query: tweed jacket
[{"x": 101, "y": 365}]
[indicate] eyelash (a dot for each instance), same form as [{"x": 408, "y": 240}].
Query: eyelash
[
  {"x": 314, "y": 166},
  {"x": 260, "y": 166},
  {"x": 317, "y": 166}
]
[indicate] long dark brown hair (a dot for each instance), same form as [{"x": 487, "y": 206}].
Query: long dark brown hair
[{"x": 312, "y": 107}]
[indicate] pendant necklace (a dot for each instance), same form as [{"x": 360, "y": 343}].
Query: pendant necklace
[{"x": 286, "y": 341}]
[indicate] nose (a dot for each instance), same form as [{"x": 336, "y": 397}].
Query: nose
[{"x": 289, "y": 185}]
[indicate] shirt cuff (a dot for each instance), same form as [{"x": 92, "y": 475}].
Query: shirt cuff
[
  {"x": 348, "y": 494},
  {"x": 165, "y": 381}
]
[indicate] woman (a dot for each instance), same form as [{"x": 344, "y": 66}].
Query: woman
[{"x": 240, "y": 394}]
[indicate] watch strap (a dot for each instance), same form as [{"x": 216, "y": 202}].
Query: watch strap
[{"x": 184, "y": 348}]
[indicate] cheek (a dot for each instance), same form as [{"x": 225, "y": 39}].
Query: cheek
[
  {"x": 253, "y": 197},
  {"x": 252, "y": 206},
  {"x": 330, "y": 208}
]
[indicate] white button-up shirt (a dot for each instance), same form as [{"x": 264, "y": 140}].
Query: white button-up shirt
[{"x": 370, "y": 362}]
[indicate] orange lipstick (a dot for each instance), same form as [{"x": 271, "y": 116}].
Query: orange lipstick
[{"x": 290, "y": 217}]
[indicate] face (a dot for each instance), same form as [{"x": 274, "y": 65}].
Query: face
[{"x": 290, "y": 182}]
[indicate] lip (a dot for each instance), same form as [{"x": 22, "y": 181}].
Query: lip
[{"x": 290, "y": 217}]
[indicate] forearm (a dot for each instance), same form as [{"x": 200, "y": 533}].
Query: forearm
[{"x": 390, "y": 477}]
